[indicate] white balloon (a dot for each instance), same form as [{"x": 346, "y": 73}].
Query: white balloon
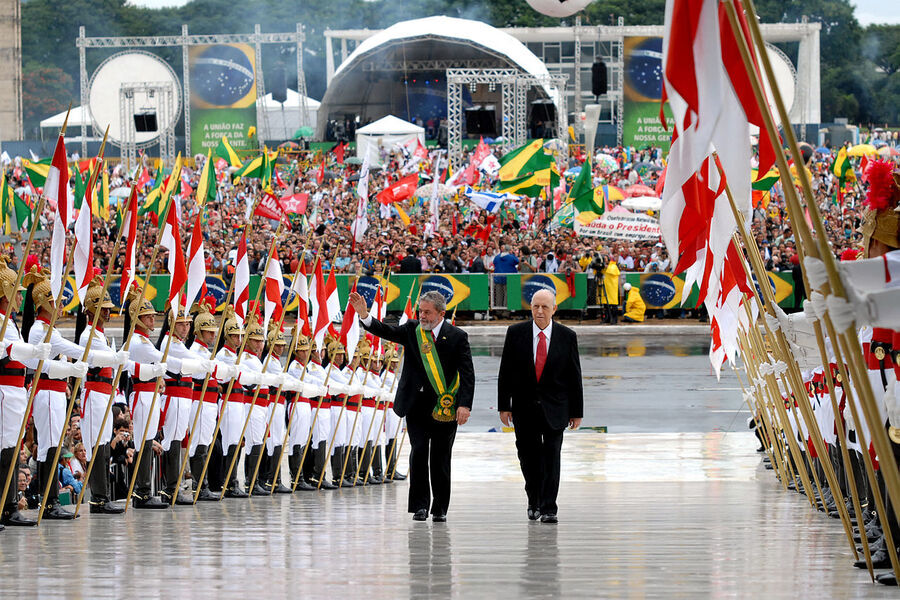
[{"x": 558, "y": 8}]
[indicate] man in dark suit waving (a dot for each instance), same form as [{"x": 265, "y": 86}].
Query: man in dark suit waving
[
  {"x": 539, "y": 391},
  {"x": 434, "y": 394}
]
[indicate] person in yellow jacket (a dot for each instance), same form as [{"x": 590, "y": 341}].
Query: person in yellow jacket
[
  {"x": 634, "y": 305},
  {"x": 609, "y": 291}
]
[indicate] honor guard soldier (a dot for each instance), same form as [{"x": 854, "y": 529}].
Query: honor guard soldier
[
  {"x": 51, "y": 398},
  {"x": 13, "y": 395},
  {"x": 234, "y": 408},
  {"x": 393, "y": 421},
  {"x": 276, "y": 344},
  {"x": 177, "y": 399},
  {"x": 373, "y": 417},
  {"x": 96, "y": 393},
  {"x": 353, "y": 433},
  {"x": 312, "y": 375},
  {"x": 205, "y": 330},
  {"x": 251, "y": 369},
  {"x": 336, "y": 388},
  {"x": 146, "y": 367}
]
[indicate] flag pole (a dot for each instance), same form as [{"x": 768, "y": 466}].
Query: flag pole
[
  {"x": 206, "y": 379},
  {"x": 760, "y": 424},
  {"x": 106, "y": 282},
  {"x": 793, "y": 379},
  {"x": 818, "y": 247},
  {"x": 53, "y": 318},
  {"x": 253, "y": 314},
  {"x": 284, "y": 371}
]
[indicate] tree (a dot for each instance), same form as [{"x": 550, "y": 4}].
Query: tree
[{"x": 45, "y": 91}]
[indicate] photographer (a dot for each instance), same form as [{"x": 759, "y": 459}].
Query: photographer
[{"x": 121, "y": 456}]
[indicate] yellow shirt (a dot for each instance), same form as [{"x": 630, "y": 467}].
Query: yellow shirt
[
  {"x": 634, "y": 305},
  {"x": 610, "y": 284}
]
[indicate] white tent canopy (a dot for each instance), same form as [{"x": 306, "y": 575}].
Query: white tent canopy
[
  {"x": 78, "y": 116},
  {"x": 284, "y": 119},
  {"x": 387, "y": 132}
]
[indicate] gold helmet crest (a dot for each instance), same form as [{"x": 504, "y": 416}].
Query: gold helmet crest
[
  {"x": 8, "y": 287},
  {"x": 96, "y": 297}
]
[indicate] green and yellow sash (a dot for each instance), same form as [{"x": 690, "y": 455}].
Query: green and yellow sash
[{"x": 445, "y": 409}]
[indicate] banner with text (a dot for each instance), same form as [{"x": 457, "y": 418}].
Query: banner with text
[
  {"x": 643, "y": 90},
  {"x": 621, "y": 226},
  {"x": 223, "y": 96}
]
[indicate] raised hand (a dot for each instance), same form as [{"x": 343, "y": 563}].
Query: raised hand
[{"x": 359, "y": 305}]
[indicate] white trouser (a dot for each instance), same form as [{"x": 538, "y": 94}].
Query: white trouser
[
  {"x": 300, "y": 422},
  {"x": 277, "y": 427},
  {"x": 391, "y": 424},
  {"x": 377, "y": 436},
  {"x": 256, "y": 427},
  {"x": 342, "y": 435},
  {"x": 322, "y": 432},
  {"x": 93, "y": 407},
  {"x": 233, "y": 423},
  {"x": 206, "y": 424},
  {"x": 49, "y": 411},
  {"x": 367, "y": 429},
  {"x": 141, "y": 417},
  {"x": 12, "y": 412},
  {"x": 177, "y": 423},
  {"x": 338, "y": 421}
]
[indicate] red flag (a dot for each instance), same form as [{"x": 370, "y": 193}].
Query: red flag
[
  {"x": 339, "y": 152},
  {"x": 143, "y": 178},
  {"x": 56, "y": 188},
  {"x": 242, "y": 279},
  {"x": 295, "y": 204},
  {"x": 196, "y": 263},
  {"x": 319, "y": 300},
  {"x": 171, "y": 240},
  {"x": 350, "y": 328},
  {"x": 481, "y": 152},
  {"x": 129, "y": 227},
  {"x": 272, "y": 309},
  {"x": 278, "y": 180},
  {"x": 270, "y": 207},
  {"x": 320, "y": 174},
  {"x": 401, "y": 190},
  {"x": 300, "y": 287}
]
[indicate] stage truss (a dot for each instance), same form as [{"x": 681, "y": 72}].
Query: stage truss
[
  {"x": 514, "y": 86},
  {"x": 185, "y": 41},
  {"x": 166, "y": 113}
]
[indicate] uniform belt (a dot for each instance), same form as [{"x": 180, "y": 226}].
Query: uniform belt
[
  {"x": 183, "y": 382},
  {"x": 44, "y": 383},
  {"x": 369, "y": 402},
  {"x": 211, "y": 386},
  {"x": 143, "y": 386},
  {"x": 13, "y": 380},
  {"x": 237, "y": 396},
  {"x": 177, "y": 391},
  {"x": 101, "y": 387},
  {"x": 100, "y": 374},
  {"x": 353, "y": 402}
]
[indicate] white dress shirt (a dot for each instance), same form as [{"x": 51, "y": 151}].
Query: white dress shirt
[
  {"x": 437, "y": 328},
  {"x": 535, "y": 330}
]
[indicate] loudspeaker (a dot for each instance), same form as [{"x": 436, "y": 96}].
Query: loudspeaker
[
  {"x": 480, "y": 122},
  {"x": 598, "y": 78},
  {"x": 144, "y": 122},
  {"x": 278, "y": 82}
]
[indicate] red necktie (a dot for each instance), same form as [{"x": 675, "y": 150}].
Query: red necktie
[{"x": 541, "y": 356}]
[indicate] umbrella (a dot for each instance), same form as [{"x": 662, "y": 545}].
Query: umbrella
[
  {"x": 642, "y": 168},
  {"x": 573, "y": 172},
  {"x": 823, "y": 150},
  {"x": 878, "y": 143},
  {"x": 642, "y": 203},
  {"x": 614, "y": 193},
  {"x": 292, "y": 145},
  {"x": 304, "y": 132},
  {"x": 488, "y": 140},
  {"x": 862, "y": 150},
  {"x": 606, "y": 162},
  {"x": 120, "y": 192},
  {"x": 353, "y": 160},
  {"x": 887, "y": 151},
  {"x": 443, "y": 190},
  {"x": 639, "y": 189}
]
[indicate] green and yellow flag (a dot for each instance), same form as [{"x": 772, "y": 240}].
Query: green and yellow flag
[
  {"x": 765, "y": 182},
  {"x": 37, "y": 171},
  {"x": 16, "y": 214},
  {"x": 258, "y": 167},
  {"x": 533, "y": 184},
  {"x": 225, "y": 151},
  {"x": 524, "y": 160},
  {"x": 588, "y": 202},
  {"x": 206, "y": 188},
  {"x": 841, "y": 166},
  {"x": 100, "y": 207}
]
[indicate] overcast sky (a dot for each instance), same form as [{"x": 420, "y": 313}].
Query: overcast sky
[{"x": 867, "y": 11}]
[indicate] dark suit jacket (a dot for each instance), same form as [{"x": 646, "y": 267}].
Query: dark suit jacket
[
  {"x": 414, "y": 392},
  {"x": 410, "y": 264},
  {"x": 559, "y": 393}
]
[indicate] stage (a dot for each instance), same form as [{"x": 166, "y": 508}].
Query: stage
[{"x": 688, "y": 515}]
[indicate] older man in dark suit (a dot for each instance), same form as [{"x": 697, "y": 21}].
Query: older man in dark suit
[
  {"x": 434, "y": 394},
  {"x": 539, "y": 391}
]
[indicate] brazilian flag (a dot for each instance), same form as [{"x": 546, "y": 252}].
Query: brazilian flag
[
  {"x": 37, "y": 170},
  {"x": 454, "y": 290},
  {"x": 589, "y": 202},
  {"x": 225, "y": 151},
  {"x": 525, "y": 160}
]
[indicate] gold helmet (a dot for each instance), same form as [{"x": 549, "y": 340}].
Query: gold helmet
[
  {"x": 364, "y": 350},
  {"x": 138, "y": 310},
  {"x": 41, "y": 293},
  {"x": 232, "y": 323},
  {"x": 8, "y": 287},
  {"x": 334, "y": 348},
  {"x": 303, "y": 343},
  {"x": 881, "y": 221},
  {"x": 255, "y": 331},
  {"x": 390, "y": 355},
  {"x": 96, "y": 297},
  {"x": 203, "y": 320},
  {"x": 276, "y": 336}
]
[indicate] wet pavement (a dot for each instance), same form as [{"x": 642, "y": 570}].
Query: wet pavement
[{"x": 672, "y": 502}]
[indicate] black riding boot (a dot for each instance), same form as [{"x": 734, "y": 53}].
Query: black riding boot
[{"x": 196, "y": 468}]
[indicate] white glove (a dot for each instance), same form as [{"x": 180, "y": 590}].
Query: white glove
[
  {"x": 58, "y": 369},
  {"x": 271, "y": 379},
  {"x": 152, "y": 371},
  {"x": 195, "y": 366},
  {"x": 355, "y": 389},
  {"x": 335, "y": 388},
  {"x": 249, "y": 377},
  {"x": 122, "y": 357},
  {"x": 312, "y": 390},
  {"x": 291, "y": 384},
  {"x": 371, "y": 392},
  {"x": 815, "y": 272},
  {"x": 20, "y": 351},
  {"x": 224, "y": 371},
  {"x": 104, "y": 359}
]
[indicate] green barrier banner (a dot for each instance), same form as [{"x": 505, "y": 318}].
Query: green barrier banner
[{"x": 464, "y": 292}]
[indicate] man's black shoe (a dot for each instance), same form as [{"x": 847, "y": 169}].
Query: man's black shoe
[
  {"x": 305, "y": 486},
  {"x": 17, "y": 519},
  {"x": 439, "y": 518},
  {"x": 56, "y": 512},
  {"x": 235, "y": 492},
  {"x": 105, "y": 507},
  {"x": 281, "y": 489},
  {"x": 148, "y": 502},
  {"x": 550, "y": 518},
  {"x": 207, "y": 496},
  {"x": 259, "y": 490},
  {"x": 398, "y": 477},
  {"x": 533, "y": 514},
  {"x": 421, "y": 515}
]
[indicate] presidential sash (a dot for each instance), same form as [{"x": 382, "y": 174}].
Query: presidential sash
[{"x": 445, "y": 409}]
